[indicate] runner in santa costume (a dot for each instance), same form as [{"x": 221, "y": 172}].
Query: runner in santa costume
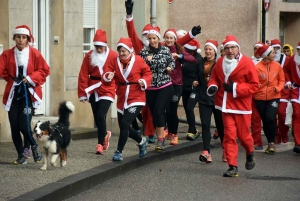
[
  {"x": 25, "y": 71},
  {"x": 234, "y": 80},
  {"x": 255, "y": 117},
  {"x": 271, "y": 82},
  {"x": 282, "y": 129},
  {"x": 292, "y": 78},
  {"x": 133, "y": 77},
  {"x": 92, "y": 90}
]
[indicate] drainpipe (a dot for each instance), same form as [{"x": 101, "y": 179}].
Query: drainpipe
[
  {"x": 153, "y": 13},
  {"x": 263, "y": 23}
]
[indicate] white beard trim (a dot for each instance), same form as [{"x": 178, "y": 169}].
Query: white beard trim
[
  {"x": 297, "y": 59},
  {"x": 22, "y": 56},
  {"x": 277, "y": 55},
  {"x": 97, "y": 59},
  {"x": 145, "y": 41},
  {"x": 229, "y": 65}
]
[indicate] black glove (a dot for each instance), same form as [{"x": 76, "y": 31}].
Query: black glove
[
  {"x": 212, "y": 89},
  {"x": 196, "y": 30},
  {"x": 228, "y": 87},
  {"x": 129, "y": 7}
]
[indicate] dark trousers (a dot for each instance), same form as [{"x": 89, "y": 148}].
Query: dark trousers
[
  {"x": 267, "y": 110},
  {"x": 20, "y": 117},
  {"x": 205, "y": 112},
  {"x": 134, "y": 124},
  {"x": 100, "y": 109},
  {"x": 158, "y": 101},
  {"x": 219, "y": 123},
  {"x": 171, "y": 113},
  {"x": 189, "y": 101},
  {"x": 125, "y": 120}
]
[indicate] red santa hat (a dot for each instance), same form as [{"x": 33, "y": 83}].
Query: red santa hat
[
  {"x": 213, "y": 44},
  {"x": 172, "y": 32},
  {"x": 126, "y": 43},
  {"x": 146, "y": 29},
  {"x": 100, "y": 38},
  {"x": 230, "y": 40},
  {"x": 298, "y": 46},
  {"x": 258, "y": 44},
  {"x": 275, "y": 43},
  {"x": 24, "y": 29},
  {"x": 155, "y": 30},
  {"x": 193, "y": 45},
  {"x": 181, "y": 32},
  {"x": 263, "y": 51}
]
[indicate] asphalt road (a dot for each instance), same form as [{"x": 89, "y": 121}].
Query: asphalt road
[{"x": 185, "y": 178}]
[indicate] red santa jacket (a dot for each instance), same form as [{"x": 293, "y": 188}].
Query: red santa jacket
[
  {"x": 36, "y": 71},
  {"x": 138, "y": 44},
  {"x": 245, "y": 83},
  {"x": 89, "y": 79},
  {"x": 128, "y": 91},
  {"x": 292, "y": 76}
]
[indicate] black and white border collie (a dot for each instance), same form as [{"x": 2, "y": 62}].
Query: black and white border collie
[{"x": 55, "y": 138}]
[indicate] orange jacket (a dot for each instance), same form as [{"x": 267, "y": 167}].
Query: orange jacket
[{"x": 270, "y": 76}]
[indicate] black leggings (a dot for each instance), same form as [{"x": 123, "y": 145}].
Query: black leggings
[
  {"x": 125, "y": 120},
  {"x": 20, "y": 121},
  {"x": 171, "y": 113},
  {"x": 219, "y": 123},
  {"x": 189, "y": 101},
  {"x": 267, "y": 110},
  {"x": 158, "y": 101},
  {"x": 100, "y": 109},
  {"x": 134, "y": 124},
  {"x": 205, "y": 112}
]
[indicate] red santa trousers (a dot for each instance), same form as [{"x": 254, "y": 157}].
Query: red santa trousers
[
  {"x": 296, "y": 122},
  {"x": 236, "y": 125},
  {"x": 282, "y": 129},
  {"x": 147, "y": 122},
  {"x": 256, "y": 126}
]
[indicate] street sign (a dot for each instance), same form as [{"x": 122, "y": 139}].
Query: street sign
[
  {"x": 267, "y": 4},
  {"x": 171, "y": 1}
]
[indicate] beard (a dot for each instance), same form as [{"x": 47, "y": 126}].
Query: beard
[
  {"x": 98, "y": 59},
  {"x": 22, "y": 56},
  {"x": 277, "y": 55},
  {"x": 297, "y": 58},
  {"x": 229, "y": 64},
  {"x": 145, "y": 41}
]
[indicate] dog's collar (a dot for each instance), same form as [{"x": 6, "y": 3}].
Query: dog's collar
[{"x": 56, "y": 128}]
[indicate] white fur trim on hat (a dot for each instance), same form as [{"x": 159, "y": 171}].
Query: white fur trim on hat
[
  {"x": 199, "y": 51},
  {"x": 22, "y": 31},
  {"x": 172, "y": 33},
  {"x": 298, "y": 47},
  {"x": 190, "y": 47},
  {"x": 100, "y": 43},
  {"x": 267, "y": 52},
  {"x": 154, "y": 32},
  {"x": 231, "y": 43},
  {"x": 276, "y": 45},
  {"x": 181, "y": 32},
  {"x": 212, "y": 45},
  {"x": 125, "y": 46},
  {"x": 258, "y": 45}
]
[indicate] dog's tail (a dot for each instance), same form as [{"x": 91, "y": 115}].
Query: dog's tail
[{"x": 64, "y": 110}]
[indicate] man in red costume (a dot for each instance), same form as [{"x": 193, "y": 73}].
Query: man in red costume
[
  {"x": 292, "y": 78},
  {"x": 234, "y": 79}
]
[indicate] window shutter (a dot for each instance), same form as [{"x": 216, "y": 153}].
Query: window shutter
[{"x": 89, "y": 13}]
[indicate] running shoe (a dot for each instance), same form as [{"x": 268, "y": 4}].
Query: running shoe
[
  {"x": 231, "y": 172},
  {"x": 256, "y": 147},
  {"x": 250, "y": 161},
  {"x": 21, "y": 160},
  {"x": 297, "y": 149},
  {"x": 160, "y": 145},
  {"x": 106, "y": 140},
  {"x": 192, "y": 136},
  {"x": 271, "y": 148},
  {"x": 143, "y": 147},
  {"x": 174, "y": 140},
  {"x": 205, "y": 157},
  {"x": 99, "y": 149},
  {"x": 27, "y": 154},
  {"x": 152, "y": 138},
  {"x": 117, "y": 156}
]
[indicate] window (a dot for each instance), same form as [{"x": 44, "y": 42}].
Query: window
[{"x": 90, "y": 16}]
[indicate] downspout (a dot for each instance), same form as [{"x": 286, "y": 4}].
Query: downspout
[
  {"x": 263, "y": 23},
  {"x": 153, "y": 13}
]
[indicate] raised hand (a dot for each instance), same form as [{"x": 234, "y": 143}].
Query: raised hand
[
  {"x": 129, "y": 7},
  {"x": 196, "y": 30}
]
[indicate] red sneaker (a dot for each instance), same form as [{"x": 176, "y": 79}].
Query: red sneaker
[
  {"x": 106, "y": 140},
  {"x": 99, "y": 149}
]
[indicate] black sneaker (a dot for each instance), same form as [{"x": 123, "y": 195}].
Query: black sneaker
[
  {"x": 250, "y": 161},
  {"x": 21, "y": 160},
  {"x": 231, "y": 172},
  {"x": 297, "y": 149},
  {"x": 36, "y": 154}
]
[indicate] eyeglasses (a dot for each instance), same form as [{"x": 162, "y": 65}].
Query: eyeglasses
[{"x": 232, "y": 48}]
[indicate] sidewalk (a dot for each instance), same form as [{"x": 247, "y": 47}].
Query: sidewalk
[{"x": 23, "y": 179}]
